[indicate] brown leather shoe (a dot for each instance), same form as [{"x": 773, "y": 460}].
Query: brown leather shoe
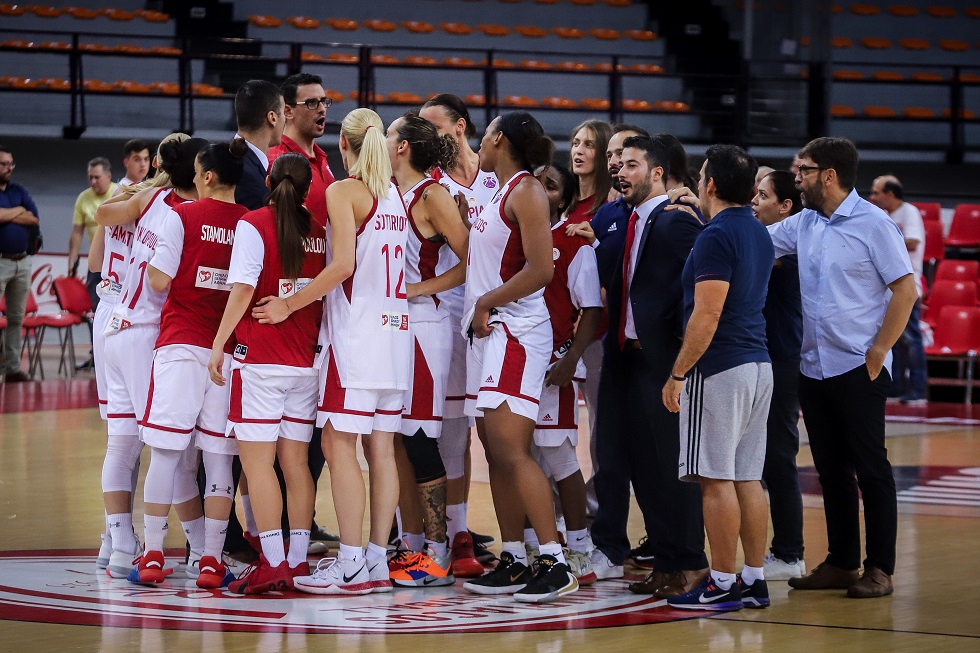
[
  {"x": 873, "y": 584},
  {"x": 681, "y": 582},
  {"x": 649, "y": 585},
  {"x": 825, "y": 577}
]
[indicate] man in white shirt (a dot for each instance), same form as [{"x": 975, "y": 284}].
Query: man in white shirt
[{"x": 909, "y": 358}]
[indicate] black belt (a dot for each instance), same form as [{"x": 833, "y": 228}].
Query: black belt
[{"x": 14, "y": 257}]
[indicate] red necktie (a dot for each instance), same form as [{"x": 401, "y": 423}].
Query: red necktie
[{"x": 630, "y": 237}]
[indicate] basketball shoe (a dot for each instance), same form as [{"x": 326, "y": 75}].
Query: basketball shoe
[
  {"x": 380, "y": 576},
  {"x": 152, "y": 568},
  {"x": 708, "y": 596},
  {"x": 336, "y": 576},
  {"x": 755, "y": 595},
  {"x": 508, "y": 577},
  {"x": 428, "y": 570},
  {"x": 212, "y": 574},
  {"x": 105, "y": 550},
  {"x": 551, "y": 579},
  {"x": 262, "y": 577},
  {"x": 581, "y": 566},
  {"x": 464, "y": 562}
]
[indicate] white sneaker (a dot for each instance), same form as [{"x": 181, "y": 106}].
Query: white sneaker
[
  {"x": 121, "y": 563},
  {"x": 336, "y": 576},
  {"x": 105, "y": 550},
  {"x": 378, "y": 576},
  {"x": 581, "y": 566},
  {"x": 604, "y": 569},
  {"x": 776, "y": 569},
  {"x": 192, "y": 569}
]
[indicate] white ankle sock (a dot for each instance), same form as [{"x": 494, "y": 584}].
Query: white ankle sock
[
  {"x": 375, "y": 551},
  {"x": 438, "y": 548},
  {"x": 414, "y": 541},
  {"x": 194, "y": 530},
  {"x": 352, "y": 553},
  {"x": 214, "y": 537},
  {"x": 455, "y": 519},
  {"x": 553, "y": 549},
  {"x": 154, "y": 531},
  {"x": 517, "y": 550},
  {"x": 121, "y": 531},
  {"x": 752, "y": 574},
  {"x": 299, "y": 544},
  {"x": 722, "y": 579},
  {"x": 272, "y": 547},
  {"x": 580, "y": 541}
]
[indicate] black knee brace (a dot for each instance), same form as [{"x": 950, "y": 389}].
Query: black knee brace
[{"x": 424, "y": 455}]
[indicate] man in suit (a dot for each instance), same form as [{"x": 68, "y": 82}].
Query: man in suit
[
  {"x": 637, "y": 437},
  {"x": 259, "y": 110}
]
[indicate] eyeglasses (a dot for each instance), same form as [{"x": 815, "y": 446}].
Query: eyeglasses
[
  {"x": 314, "y": 103},
  {"x": 803, "y": 171},
  {"x": 7, "y": 164}
]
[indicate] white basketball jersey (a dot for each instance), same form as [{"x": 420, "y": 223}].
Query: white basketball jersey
[
  {"x": 422, "y": 258},
  {"x": 365, "y": 319},
  {"x": 138, "y": 303},
  {"x": 496, "y": 254},
  {"x": 115, "y": 260},
  {"x": 478, "y": 195}
]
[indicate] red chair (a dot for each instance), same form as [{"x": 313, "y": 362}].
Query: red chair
[
  {"x": 935, "y": 247},
  {"x": 956, "y": 270},
  {"x": 949, "y": 293},
  {"x": 76, "y": 306},
  {"x": 33, "y": 334},
  {"x": 957, "y": 336},
  {"x": 929, "y": 210},
  {"x": 965, "y": 230}
]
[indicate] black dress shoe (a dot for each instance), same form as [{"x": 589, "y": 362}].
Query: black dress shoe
[
  {"x": 19, "y": 376},
  {"x": 87, "y": 365}
]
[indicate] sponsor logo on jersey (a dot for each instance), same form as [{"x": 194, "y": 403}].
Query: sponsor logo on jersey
[
  {"x": 109, "y": 288},
  {"x": 212, "y": 279},
  {"x": 490, "y": 182},
  {"x": 547, "y": 418},
  {"x": 394, "y": 322},
  {"x": 612, "y": 228},
  {"x": 555, "y": 253},
  {"x": 117, "y": 323},
  {"x": 289, "y": 287},
  {"x": 241, "y": 351}
]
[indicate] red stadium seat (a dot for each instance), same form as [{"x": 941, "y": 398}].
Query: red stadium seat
[
  {"x": 76, "y": 308},
  {"x": 935, "y": 244},
  {"x": 120, "y": 14},
  {"x": 571, "y": 65},
  {"x": 531, "y": 31},
  {"x": 598, "y": 103},
  {"x": 475, "y": 100},
  {"x": 33, "y": 334},
  {"x": 534, "y": 64},
  {"x": 647, "y": 68},
  {"x": 965, "y": 114},
  {"x": 342, "y": 57},
  {"x": 384, "y": 59},
  {"x": 965, "y": 229},
  {"x": 848, "y": 75},
  {"x": 459, "y": 62},
  {"x": 841, "y": 42},
  {"x": 604, "y": 34},
  {"x": 312, "y": 57},
  {"x": 958, "y": 270},
  {"x": 567, "y": 32},
  {"x": 957, "y": 331},
  {"x": 421, "y": 61},
  {"x": 949, "y": 293},
  {"x": 928, "y": 210},
  {"x": 493, "y": 29},
  {"x": 556, "y": 102},
  {"x": 640, "y": 34},
  {"x": 878, "y": 111},
  {"x": 928, "y": 77},
  {"x": 636, "y": 105},
  {"x": 671, "y": 105}
]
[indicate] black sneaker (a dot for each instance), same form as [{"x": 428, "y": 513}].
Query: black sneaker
[
  {"x": 642, "y": 556},
  {"x": 320, "y": 535},
  {"x": 483, "y": 554},
  {"x": 551, "y": 580},
  {"x": 485, "y": 540},
  {"x": 755, "y": 595},
  {"x": 509, "y": 577}
]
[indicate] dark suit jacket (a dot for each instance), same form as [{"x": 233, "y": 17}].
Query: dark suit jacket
[
  {"x": 655, "y": 293},
  {"x": 251, "y": 191}
]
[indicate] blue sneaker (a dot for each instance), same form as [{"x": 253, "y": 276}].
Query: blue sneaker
[
  {"x": 708, "y": 596},
  {"x": 755, "y": 595}
]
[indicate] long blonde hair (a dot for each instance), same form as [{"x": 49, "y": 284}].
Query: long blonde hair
[
  {"x": 161, "y": 179},
  {"x": 365, "y": 133}
]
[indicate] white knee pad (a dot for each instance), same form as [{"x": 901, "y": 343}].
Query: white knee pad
[
  {"x": 185, "y": 478},
  {"x": 121, "y": 459},
  {"x": 158, "y": 487},
  {"x": 453, "y": 444},
  {"x": 561, "y": 461},
  {"x": 217, "y": 467}
]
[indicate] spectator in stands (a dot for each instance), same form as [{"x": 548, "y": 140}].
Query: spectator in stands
[
  {"x": 776, "y": 199},
  {"x": 589, "y": 140},
  {"x": 909, "y": 364},
  {"x": 88, "y": 202},
  {"x": 305, "y": 106},
  {"x": 260, "y": 112},
  {"x": 136, "y": 161},
  {"x": 18, "y": 229},
  {"x": 850, "y": 324}
]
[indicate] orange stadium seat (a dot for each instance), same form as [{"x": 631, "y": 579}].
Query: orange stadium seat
[
  {"x": 405, "y": 97},
  {"x": 928, "y": 210},
  {"x": 457, "y": 29},
  {"x": 342, "y": 24},
  {"x": 972, "y": 12},
  {"x": 879, "y": 111},
  {"x": 261, "y": 20},
  {"x": 805, "y": 41},
  {"x": 965, "y": 229},
  {"x": 571, "y": 65},
  {"x": 97, "y": 86},
  {"x": 459, "y": 62},
  {"x": 547, "y": 2},
  {"x": 421, "y": 61},
  {"x": 941, "y": 12},
  {"x": 928, "y": 77},
  {"x": 606, "y": 67},
  {"x": 24, "y": 83},
  {"x": 965, "y": 114},
  {"x": 519, "y": 101},
  {"x": 919, "y": 113},
  {"x": 969, "y": 78},
  {"x": 841, "y": 42},
  {"x": 647, "y": 68},
  {"x": 531, "y": 31},
  {"x": 165, "y": 49},
  {"x": 419, "y": 26},
  {"x": 887, "y": 76},
  {"x": 303, "y": 22},
  {"x": 636, "y": 105},
  {"x": 153, "y": 16},
  {"x": 865, "y": 10},
  {"x": 380, "y": 25},
  {"x": 597, "y": 103},
  {"x": 312, "y": 57},
  {"x": 848, "y": 75},
  {"x": 876, "y": 43},
  {"x": 836, "y": 9},
  {"x": 54, "y": 45},
  {"x": 55, "y": 83},
  {"x": 604, "y": 34},
  {"x": 165, "y": 88},
  {"x": 45, "y": 11},
  {"x": 502, "y": 63},
  {"x": 384, "y": 59},
  {"x": 492, "y": 29},
  {"x": 904, "y": 11},
  {"x": 640, "y": 34},
  {"x": 342, "y": 57},
  {"x": 568, "y": 32},
  {"x": 207, "y": 89},
  {"x": 619, "y": 3},
  {"x": 954, "y": 45},
  {"x": 475, "y": 100},
  {"x": 914, "y": 44},
  {"x": 131, "y": 87},
  {"x": 671, "y": 105},
  {"x": 334, "y": 95},
  {"x": 17, "y": 44},
  {"x": 534, "y": 64},
  {"x": 94, "y": 47},
  {"x": 12, "y": 10},
  {"x": 958, "y": 270},
  {"x": 583, "y": 3},
  {"x": 82, "y": 13},
  {"x": 842, "y": 111},
  {"x": 120, "y": 14},
  {"x": 555, "y": 102}
]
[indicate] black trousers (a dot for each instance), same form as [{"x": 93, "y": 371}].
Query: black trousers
[
  {"x": 845, "y": 419},
  {"x": 780, "y": 474},
  {"x": 638, "y": 442}
]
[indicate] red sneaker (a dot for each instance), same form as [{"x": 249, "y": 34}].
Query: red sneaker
[
  {"x": 302, "y": 569},
  {"x": 253, "y": 541},
  {"x": 152, "y": 567},
  {"x": 262, "y": 577},
  {"x": 464, "y": 562},
  {"x": 213, "y": 575}
]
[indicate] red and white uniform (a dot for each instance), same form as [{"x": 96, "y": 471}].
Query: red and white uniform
[
  {"x": 273, "y": 381},
  {"x": 195, "y": 252},
  {"x": 575, "y": 286},
  {"x": 431, "y": 330},
  {"x": 478, "y": 194},
  {"x": 509, "y": 364},
  {"x": 132, "y": 329},
  {"x": 118, "y": 246},
  {"x": 365, "y": 338}
]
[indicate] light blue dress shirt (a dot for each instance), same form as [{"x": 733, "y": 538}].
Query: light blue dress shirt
[{"x": 846, "y": 265}]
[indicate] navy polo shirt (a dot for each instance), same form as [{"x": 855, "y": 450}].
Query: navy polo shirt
[
  {"x": 736, "y": 248},
  {"x": 14, "y": 238}
]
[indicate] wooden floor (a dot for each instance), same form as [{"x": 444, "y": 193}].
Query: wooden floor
[{"x": 51, "y": 515}]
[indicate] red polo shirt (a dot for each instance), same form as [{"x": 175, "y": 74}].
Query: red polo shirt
[{"x": 316, "y": 201}]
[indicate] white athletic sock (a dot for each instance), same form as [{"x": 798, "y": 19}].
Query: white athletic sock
[
  {"x": 154, "y": 531},
  {"x": 121, "y": 531},
  {"x": 517, "y": 550},
  {"x": 250, "y": 525},
  {"x": 272, "y": 547},
  {"x": 414, "y": 541},
  {"x": 375, "y": 551},
  {"x": 108, "y": 531},
  {"x": 438, "y": 548},
  {"x": 455, "y": 519},
  {"x": 722, "y": 580},
  {"x": 214, "y": 537},
  {"x": 580, "y": 541},
  {"x": 352, "y": 553},
  {"x": 194, "y": 530},
  {"x": 553, "y": 549},
  {"x": 299, "y": 543},
  {"x": 398, "y": 521},
  {"x": 752, "y": 574},
  {"x": 531, "y": 538}
]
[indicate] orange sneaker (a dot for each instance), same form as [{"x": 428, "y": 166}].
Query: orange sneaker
[{"x": 428, "y": 570}]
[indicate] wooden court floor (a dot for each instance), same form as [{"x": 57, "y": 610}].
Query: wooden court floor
[{"x": 51, "y": 516}]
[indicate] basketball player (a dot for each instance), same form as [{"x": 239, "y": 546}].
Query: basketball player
[
  {"x": 183, "y": 403},
  {"x": 131, "y": 332},
  {"x": 415, "y": 147},
  {"x": 465, "y": 181},
  {"x": 365, "y": 348},
  {"x": 277, "y": 249}
]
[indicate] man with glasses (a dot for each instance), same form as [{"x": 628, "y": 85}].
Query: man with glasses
[
  {"x": 18, "y": 223},
  {"x": 306, "y": 118},
  {"x": 858, "y": 291}
]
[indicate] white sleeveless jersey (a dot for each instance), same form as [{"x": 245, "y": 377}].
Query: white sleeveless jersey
[
  {"x": 422, "y": 258},
  {"x": 138, "y": 303},
  {"x": 478, "y": 195},
  {"x": 496, "y": 254},
  {"x": 115, "y": 260},
  {"x": 365, "y": 319}
]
